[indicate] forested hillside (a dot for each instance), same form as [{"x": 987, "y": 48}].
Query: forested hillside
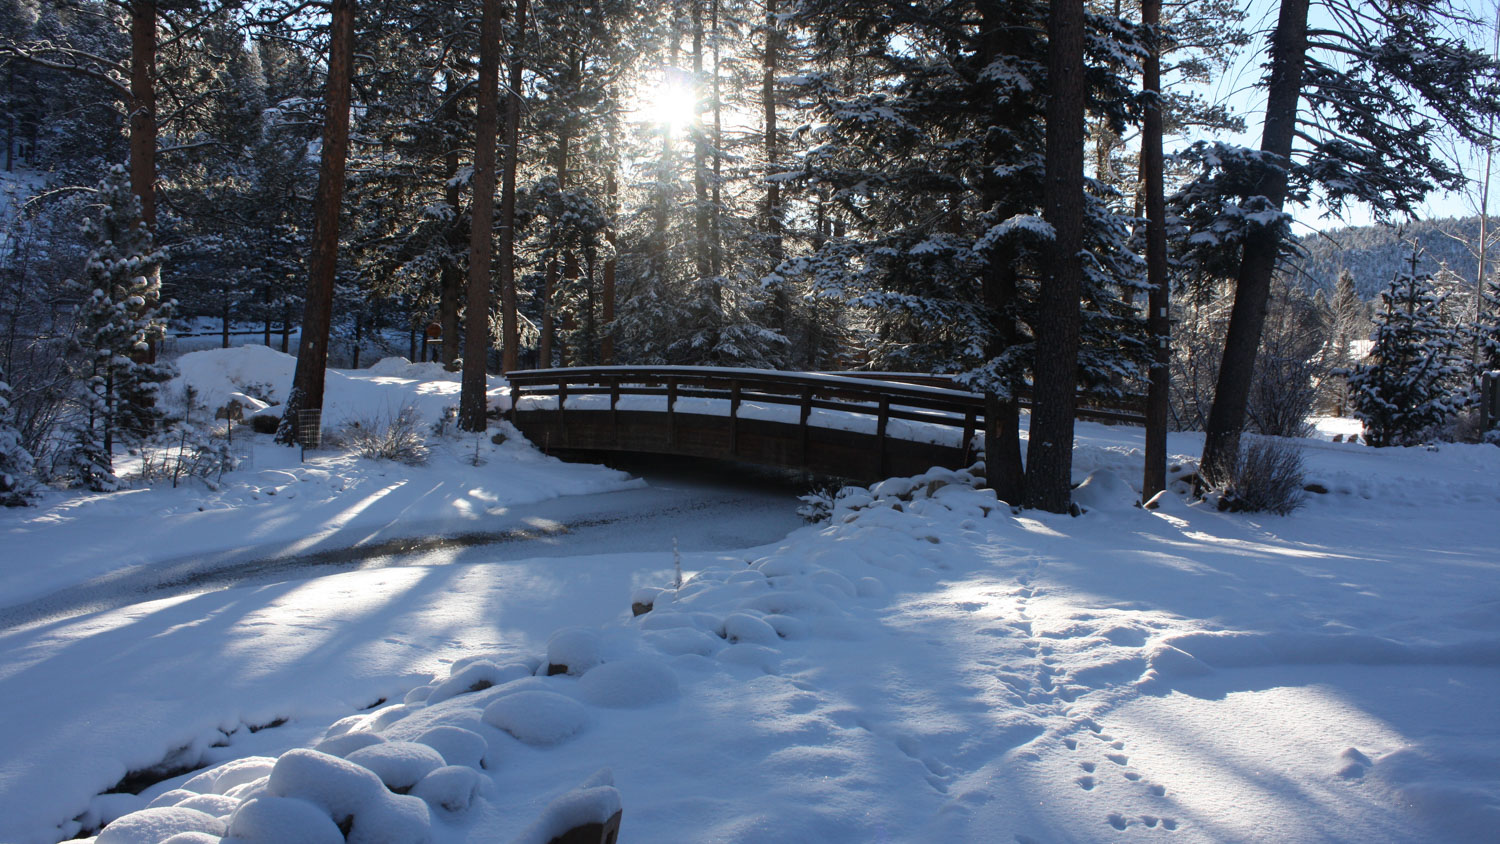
[{"x": 1374, "y": 254}]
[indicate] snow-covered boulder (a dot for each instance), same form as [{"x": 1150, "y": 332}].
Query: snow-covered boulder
[
  {"x": 537, "y": 717},
  {"x": 282, "y": 820},
  {"x": 399, "y": 764},
  {"x": 457, "y": 745},
  {"x": 572, "y": 650},
  {"x": 453, "y": 787},
  {"x": 151, "y": 826},
  {"x": 629, "y": 683}
]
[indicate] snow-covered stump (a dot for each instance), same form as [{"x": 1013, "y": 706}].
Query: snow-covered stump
[{"x": 589, "y": 814}]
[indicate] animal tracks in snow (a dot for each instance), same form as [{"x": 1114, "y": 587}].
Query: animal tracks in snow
[{"x": 1148, "y": 806}]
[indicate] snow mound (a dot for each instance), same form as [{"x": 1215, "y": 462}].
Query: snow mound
[
  {"x": 151, "y": 826},
  {"x": 742, "y": 627},
  {"x": 220, "y": 779},
  {"x": 282, "y": 820},
  {"x": 573, "y": 649},
  {"x": 453, "y": 787},
  {"x": 341, "y": 788},
  {"x": 399, "y": 764},
  {"x": 347, "y": 743},
  {"x": 1104, "y": 491},
  {"x": 474, "y": 677},
  {"x": 456, "y": 745},
  {"x": 397, "y": 819},
  {"x": 595, "y": 801},
  {"x": 537, "y": 717},
  {"x": 629, "y": 683}
]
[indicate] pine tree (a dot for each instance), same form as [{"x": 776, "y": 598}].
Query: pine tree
[
  {"x": 16, "y": 466},
  {"x": 121, "y": 317},
  {"x": 1360, "y": 97},
  {"x": 1487, "y": 326},
  {"x": 1405, "y": 387}
]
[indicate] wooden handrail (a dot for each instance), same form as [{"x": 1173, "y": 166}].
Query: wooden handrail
[{"x": 934, "y": 399}]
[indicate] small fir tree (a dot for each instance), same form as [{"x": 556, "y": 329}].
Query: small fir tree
[
  {"x": 121, "y": 320},
  {"x": 1404, "y": 388},
  {"x": 16, "y": 467}
]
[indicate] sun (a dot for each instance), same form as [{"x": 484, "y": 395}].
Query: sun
[{"x": 670, "y": 102}]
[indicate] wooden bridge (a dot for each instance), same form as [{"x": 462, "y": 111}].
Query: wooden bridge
[{"x": 860, "y": 426}]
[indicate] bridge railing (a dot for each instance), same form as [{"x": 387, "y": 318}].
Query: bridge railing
[
  {"x": 928, "y": 399},
  {"x": 805, "y": 392}
]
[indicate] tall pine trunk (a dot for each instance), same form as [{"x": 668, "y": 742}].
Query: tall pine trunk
[
  {"x": 1049, "y": 455},
  {"x": 509, "y": 327},
  {"x": 702, "y": 248},
  {"x": 1226, "y": 419},
  {"x": 612, "y": 201},
  {"x": 451, "y": 276},
  {"x": 1158, "y": 321},
  {"x": 317, "y": 310},
  {"x": 471, "y": 402},
  {"x": 775, "y": 246},
  {"x": 143, "y": 107}
]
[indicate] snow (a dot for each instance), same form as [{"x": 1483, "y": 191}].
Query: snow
[
  {"x": 537, "y": 717},
  {"x": 925, "y": 665}
]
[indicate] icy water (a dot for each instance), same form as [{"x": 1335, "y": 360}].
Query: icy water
[{"x": 693, "y": 507}]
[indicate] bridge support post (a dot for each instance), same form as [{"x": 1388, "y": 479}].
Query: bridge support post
[
  {"x": 880, "y": 426},
  {"x": 614, "y": 411},
  {"x": 806, "y": 413},
  {"x": 671, "y": 411},
  {"x": 734, "y": 418}
]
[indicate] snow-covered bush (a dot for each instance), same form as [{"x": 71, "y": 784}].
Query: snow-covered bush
[
  {"x": 188, "y": 451},
  {"x": 399, "y": 438},
  {"x": 1268, "y": 478}
]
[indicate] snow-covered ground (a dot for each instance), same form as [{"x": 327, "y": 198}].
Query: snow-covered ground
[{"x": 926, "y": 666}]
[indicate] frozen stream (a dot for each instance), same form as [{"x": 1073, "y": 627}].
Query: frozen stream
[{"x": 718, "y": 508}]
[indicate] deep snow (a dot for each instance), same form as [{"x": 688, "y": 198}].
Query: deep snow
[{"x": 926, "y": 666}]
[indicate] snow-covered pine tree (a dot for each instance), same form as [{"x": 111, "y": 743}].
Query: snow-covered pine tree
[
  {"x": 16, "y": 482},
  {"x": 1404, "y": 389},
  {"x": 120, "y": 319},
  {"x": 1487, "y": 326}
]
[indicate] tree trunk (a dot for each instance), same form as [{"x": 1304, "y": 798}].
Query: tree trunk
[
  {"x": 1158, "y": 321},
  {"x": 452, "y": 275},
  {"x": 1002, "y": 416},
  {"x": 1221, "y": 445},
  {"x": 716, "y": 234},
  {"x": 1049, "y": 456},
  {"x": 143, "y": 107},
  {"x": 471, "y": 403},
  {"x": 612, "y": 200},
  {"x": 509, "y": 328},
  {"x": 776, "y": 248},
  {"x": 701, "y": 247},
  {"x": 312, "y": 353},
  {"x": 549, "y": 285}
]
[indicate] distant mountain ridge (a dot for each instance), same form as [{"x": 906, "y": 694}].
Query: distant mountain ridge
[{"x": 1374, "y": 253}]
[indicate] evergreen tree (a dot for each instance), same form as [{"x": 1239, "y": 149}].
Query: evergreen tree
[
  {"x": 1487, "y": 326},
  {"x": 121, "y": 317},
  {"x": 1405, "y": 388},
  {"x": 16, "y": 466},
  {"x": 1363, "y": 95}
]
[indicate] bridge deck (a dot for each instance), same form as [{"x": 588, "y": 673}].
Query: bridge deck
[{"x": 862, "y": 428}]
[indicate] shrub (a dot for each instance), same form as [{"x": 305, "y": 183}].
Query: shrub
[
  {"x": 186, "y": 452},
  {"x": 397, "y": 439},
  {"x": 1267, "y": 478}
]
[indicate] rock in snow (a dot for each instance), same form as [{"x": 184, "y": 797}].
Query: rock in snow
[
  {"x": 537, "y": 717},
  {"x": 630, "y": 683},
  {"x": 151, "y": 826}
]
